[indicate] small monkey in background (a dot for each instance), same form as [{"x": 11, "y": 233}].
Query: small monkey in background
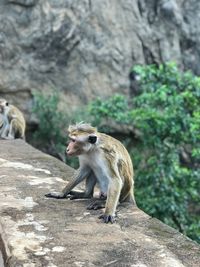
[
  {"x": 1, "y": 123},
  {"x": 103, "y": 160},
  {"x": 13, "y": 121}
]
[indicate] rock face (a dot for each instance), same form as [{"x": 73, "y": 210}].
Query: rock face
[
  {"x": 86, "y": 48},
  {"x": 40, "y": 232}
]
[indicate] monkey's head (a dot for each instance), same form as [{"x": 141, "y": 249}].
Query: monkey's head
[
  {"x": 82, "y": 139},
  {"x": 3, "y": 105}
]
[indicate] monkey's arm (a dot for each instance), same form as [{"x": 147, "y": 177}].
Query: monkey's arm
[
  {"x": 79, "y": 176},
  {"x": 114, "y": 191},
  {"x": 11, "y": 132},
  {"x": 89, "y": 188},
  {"x": 5, "y": 129}
]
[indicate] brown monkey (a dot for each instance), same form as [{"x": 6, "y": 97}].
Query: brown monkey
[
  {"x": 14, "y": 123},
  {"x": 103, "y": 160}
]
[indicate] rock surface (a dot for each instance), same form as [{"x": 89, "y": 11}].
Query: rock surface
[
  {"x": 37, "y": 232},
  {"x": 86, "y": 48}
]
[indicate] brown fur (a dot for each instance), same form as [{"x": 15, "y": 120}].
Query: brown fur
[{"x": 104, "y": 160}]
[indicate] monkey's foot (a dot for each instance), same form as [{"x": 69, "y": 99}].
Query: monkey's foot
[
  {"x": 107, "y": 218},
  {"x": 56, "y": 195},
  {"x": 102, "y": 195},
  {"x": 78, "y": 195},
  {"x": 8, "y": 137},
  {"x": 96, "y": 205}
]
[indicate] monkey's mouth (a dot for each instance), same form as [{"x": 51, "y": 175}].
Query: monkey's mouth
[{"x": 69, "y": 154}]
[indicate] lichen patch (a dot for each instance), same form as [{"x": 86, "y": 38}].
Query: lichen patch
[{"x": 19, "y": 165}]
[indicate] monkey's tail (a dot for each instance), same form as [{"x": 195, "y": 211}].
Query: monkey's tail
[{"x": 129, "y": 198}]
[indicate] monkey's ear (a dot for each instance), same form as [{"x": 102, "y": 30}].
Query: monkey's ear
[{"x": 92, "y": 139}]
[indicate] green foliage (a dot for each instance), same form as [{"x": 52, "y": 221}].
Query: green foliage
[
  {"x": 49, "y": 134},
  {"x": 50, "y": 119},
  {"x": 167, "y": 157},
  {"x": 114, "y": 108}
]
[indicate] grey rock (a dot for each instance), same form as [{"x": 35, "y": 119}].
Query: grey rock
[{"x": 85, "y": 49}]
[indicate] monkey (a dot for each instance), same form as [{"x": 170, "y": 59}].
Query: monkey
[
  {"x": 14, "y": 124},
  {"x": 103, "y": 160},
  {"x": 5, "y": 125},
  {"x": 1, "y": 123}
]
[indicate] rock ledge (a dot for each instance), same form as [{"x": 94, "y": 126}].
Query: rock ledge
[{"x": 36, "y": 231}]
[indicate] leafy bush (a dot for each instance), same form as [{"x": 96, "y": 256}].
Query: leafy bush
[
  {"x": 51, "y": 134},
  {"x": 52, "y": 123},
  {"x": 167, "y": 157},
  {"x": 113, "y": 108}
]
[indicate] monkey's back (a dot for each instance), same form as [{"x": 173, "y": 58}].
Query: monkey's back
[
  {"x": 115, "y": 148},
  {"x": 117, "y": 152},
  {"x": 18, "y": 120}
]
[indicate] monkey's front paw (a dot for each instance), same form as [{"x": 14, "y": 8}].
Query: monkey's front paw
[
  {"x": 107, "y": 218},
  {"x": 96, "y": 205},
  {"x": 56, "y": 195}
]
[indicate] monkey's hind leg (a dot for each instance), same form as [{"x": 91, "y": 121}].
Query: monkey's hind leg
[
  {"x": 4, "y": 131},
  {"x": 97, "y": 204},
  {"x": 11, "y": 130},
  {"x": 89, "y": 189},
  {"x": 79, "y": 195},
  {"x": 72, "y": 195},
  {"x": 56, "y": 195}
]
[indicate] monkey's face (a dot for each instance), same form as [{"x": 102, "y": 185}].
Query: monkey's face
[
  {"x": 3, "y": 105},
  {"x": 81, "y": 144},
  {"x": 74, "y": 148}
]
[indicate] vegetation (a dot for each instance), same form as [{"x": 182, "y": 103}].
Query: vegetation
[
  {"x": 166, "y": 155},
  {"x": 51, "y": 134},
  {"x": 52, "y": 123}
]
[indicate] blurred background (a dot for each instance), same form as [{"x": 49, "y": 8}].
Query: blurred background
[{"x": 132, "y": 69}]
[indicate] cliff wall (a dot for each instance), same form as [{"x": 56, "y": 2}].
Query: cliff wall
[{"x": 86, "y": 48}]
